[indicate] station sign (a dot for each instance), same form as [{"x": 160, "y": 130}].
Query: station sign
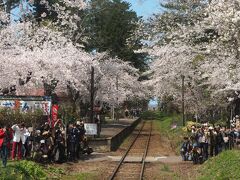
[{"x": 91, "y": 128}]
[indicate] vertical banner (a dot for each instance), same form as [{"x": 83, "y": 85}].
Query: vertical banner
[
  {"x": 54, "y": 114},
  {"x": 17, "y": 105}
]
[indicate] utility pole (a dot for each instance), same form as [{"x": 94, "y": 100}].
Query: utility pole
[
  {"x": 183, "y": 103},
  {"x": 114, "y": 115},
  {"x": 92, "y": 94},
  {"x": 117, "y": 118}
]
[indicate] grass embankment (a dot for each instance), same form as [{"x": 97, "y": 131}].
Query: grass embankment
[
  {"x": 28, "y": 170},
  {"x": 165, "y": 124},
  {"x": 222, "y": 167}
]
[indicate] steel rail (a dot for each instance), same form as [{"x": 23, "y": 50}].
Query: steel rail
[
  {"x": 145, "y": 154},
  {"x": 125, "y": 155}
]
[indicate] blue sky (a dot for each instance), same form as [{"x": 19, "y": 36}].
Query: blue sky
[
  {"x": 145, "y": 8},
  {"x": 153, "y": 102}
]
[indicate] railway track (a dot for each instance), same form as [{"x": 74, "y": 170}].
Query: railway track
[{"x": 132, "y": 163}]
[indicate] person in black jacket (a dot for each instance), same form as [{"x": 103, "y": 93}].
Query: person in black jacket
[
  {"x": 83, "y": 140},
  {"x": 219, "y": 142},
  {"x": 231, "y": 138},
  {"x": 78, "y": 139},
  {"x": 73, "y": 139},
  {"x": 59, "y": 146},
  {"x": 185, "y": 149},
  {"x": 212, "y": 140},
  {"x": 69, "y": 129}
]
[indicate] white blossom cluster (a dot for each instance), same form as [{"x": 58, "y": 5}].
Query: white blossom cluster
[
  {"x": 47, "y": 54},
  {"x": 205, "y": 51}
]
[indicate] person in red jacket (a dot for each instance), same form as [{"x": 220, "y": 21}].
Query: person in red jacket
[{"x": 5, "y": 139}]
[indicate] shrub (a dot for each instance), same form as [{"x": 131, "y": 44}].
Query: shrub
[
  {"x": 9, "y": 116},
  {"x": 31, "y": 170},
  {"x": 23, "y": 170}
]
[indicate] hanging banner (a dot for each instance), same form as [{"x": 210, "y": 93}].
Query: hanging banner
[
  {"x": 54, "y": 114},
  {"x": 26, "y": 104}
]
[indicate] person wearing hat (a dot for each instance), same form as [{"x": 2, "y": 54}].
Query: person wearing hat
[{"x": 44, "y": 151}]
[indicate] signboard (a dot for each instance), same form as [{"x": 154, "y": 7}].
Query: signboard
[
  {"x": 27, "y": 104},
  {"x": 91, "y": 128}
]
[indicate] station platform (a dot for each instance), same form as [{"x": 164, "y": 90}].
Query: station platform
[{"x": 112, "y": 134}]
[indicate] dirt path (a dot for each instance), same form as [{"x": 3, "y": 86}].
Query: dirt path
[{"x": 167, "y": 165}]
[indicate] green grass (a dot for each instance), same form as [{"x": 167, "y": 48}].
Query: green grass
[
  {"x": 166, "y": 168},
  {"x": 149, "y": 115},
  {"x": 29, "y": 170},
  {"x": 81, "y": 176},
  {"x": 163, "y": 122},
  {"x": 26, "y": 170},
  {"x": 165, "y": 172},
  {"x": 222, "y": 167},
  {"x": 23, "y": 170}
]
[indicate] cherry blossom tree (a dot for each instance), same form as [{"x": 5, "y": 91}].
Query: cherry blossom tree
[
  {"x": 33, "y": 56},
  {"x": 204, "y": 51}
]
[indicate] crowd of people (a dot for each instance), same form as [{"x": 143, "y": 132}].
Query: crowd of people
[
  {"x": 43, "y": 144},
  {"x": 207, "y": 141}
]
